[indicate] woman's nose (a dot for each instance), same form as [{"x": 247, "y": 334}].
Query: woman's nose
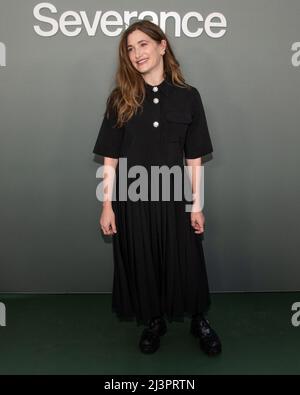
[{"x": 137, "y": 54}]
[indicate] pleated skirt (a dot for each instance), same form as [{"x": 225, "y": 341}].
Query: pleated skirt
[{"x": 159, "y": 263}]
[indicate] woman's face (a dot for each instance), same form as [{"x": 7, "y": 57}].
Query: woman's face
[{"x": 144, "y": 53}]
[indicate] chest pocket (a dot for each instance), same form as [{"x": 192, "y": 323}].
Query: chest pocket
[{"x": 176, "y": 125}]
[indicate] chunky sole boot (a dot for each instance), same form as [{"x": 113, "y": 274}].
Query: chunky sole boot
[
  {"x": 149, "y": 342},
  {"x": 150, "y": 339},
  {"x": 208, "y": 339}
]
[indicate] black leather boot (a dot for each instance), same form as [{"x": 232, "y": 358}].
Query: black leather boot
[
  {"x": 209, "y": 340},
  {"x": 150, "y": 338}
]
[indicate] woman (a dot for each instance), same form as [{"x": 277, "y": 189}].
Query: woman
[{"x": 152, "y": 119}]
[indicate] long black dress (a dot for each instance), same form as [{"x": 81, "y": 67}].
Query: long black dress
[{"x": 159, "y": 264}]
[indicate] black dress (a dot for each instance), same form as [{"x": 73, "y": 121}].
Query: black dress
[{"x": 159, "y": 264}]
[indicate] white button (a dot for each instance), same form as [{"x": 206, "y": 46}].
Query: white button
[
  {"x": 155, "y": 100},
  {"x": 155, "y": 89},
  {"x": 155, "y": 124}
]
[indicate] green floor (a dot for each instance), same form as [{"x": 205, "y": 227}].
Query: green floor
[{"x": 78, "y": 334}]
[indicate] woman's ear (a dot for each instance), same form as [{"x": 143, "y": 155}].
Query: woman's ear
[{"x": 163, "y": 46}]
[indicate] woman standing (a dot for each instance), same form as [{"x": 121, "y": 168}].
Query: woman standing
[{"x": 154, "y": 119}]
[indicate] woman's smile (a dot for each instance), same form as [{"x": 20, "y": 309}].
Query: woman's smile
[{"x": 141, "y": 62}]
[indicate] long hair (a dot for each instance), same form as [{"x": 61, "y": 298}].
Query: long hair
[{"x": 128, "y": 95}]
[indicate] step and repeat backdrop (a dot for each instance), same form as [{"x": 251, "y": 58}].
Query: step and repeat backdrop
[{"x": 57, "y": 65}]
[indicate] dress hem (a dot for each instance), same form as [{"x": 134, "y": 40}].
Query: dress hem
[{"x": 179, "y": 319}]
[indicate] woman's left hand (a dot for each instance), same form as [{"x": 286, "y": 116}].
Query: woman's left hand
[{"x": 198, "y": 221}]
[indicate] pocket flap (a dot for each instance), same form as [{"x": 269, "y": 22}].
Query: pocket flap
[{"x": 180, "y": 117}]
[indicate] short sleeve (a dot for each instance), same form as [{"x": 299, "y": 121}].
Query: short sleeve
[
  {"x": 197, "y": 142},
  {"x": 109, "y": 140}
]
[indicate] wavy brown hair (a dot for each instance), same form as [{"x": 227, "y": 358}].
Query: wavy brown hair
[{"x": 128, "y": 95}]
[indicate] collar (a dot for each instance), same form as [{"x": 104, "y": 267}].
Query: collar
[{"x": 165, "y": 86}]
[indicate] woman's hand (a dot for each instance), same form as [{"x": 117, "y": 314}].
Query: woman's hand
[
  {"x": 198, "y": 221},
  {"x": 107, "y": 220}
]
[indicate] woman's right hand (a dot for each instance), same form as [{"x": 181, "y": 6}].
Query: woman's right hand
[{"x": 107, "y": 220}]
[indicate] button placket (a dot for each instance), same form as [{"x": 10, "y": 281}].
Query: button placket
[{"x": 156, "y": 101}]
